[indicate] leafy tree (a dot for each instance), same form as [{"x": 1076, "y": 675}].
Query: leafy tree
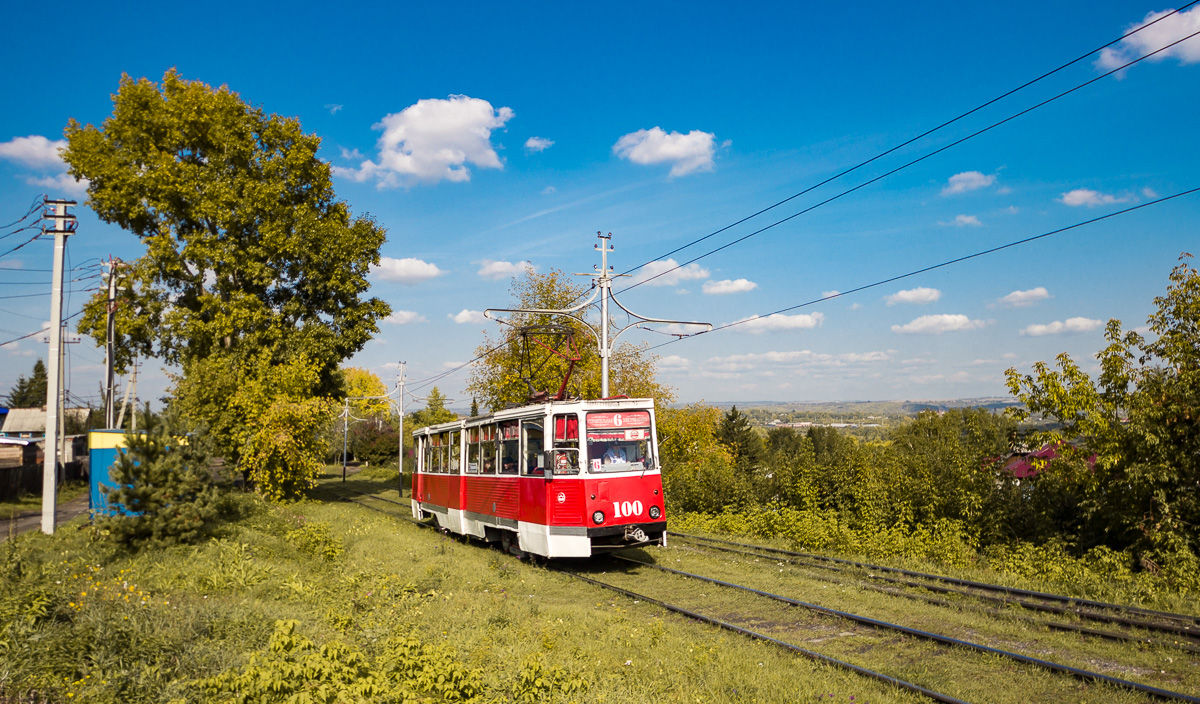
[
  {"x": 435, "y": 412},
  {"x": 253, "y": 270},
  {"x": 360, "y": 382},
  {"x": 247, "y": 247},
  {"x": 1135, "y": 464},
  {"x": 284, "y": 452},
  {"x": 512, "y": 367},
  {"x": 31, "y": 392},
  {"x": 164, "y": 492}
]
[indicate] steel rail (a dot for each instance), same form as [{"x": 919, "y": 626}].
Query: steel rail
[
  {"x": 1055, "y": 625},
  {"x": 1167, "y": 615},
  {"x": 936, "y": 637}
]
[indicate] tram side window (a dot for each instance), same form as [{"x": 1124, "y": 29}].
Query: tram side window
[
  {"x": 532, "y": 464},
  {"x": 487, "y": 449},
  {"x": 473, "y": 451},
  {"x": 455, "y": 449},
  {"x": 423, "y": 445},
  {"x": 566, "y": 443},
  {"x": 510, "y": 450}
]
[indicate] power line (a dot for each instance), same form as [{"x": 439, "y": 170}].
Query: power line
[
  {"x": 37, "y": 204},
  {"x": 9, "y": 342},
  {"x": 906, "y": 165},
  {"x": 940, "y": 265}
]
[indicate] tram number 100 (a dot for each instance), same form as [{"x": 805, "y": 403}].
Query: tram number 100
[{"x": 625, "y": 509}]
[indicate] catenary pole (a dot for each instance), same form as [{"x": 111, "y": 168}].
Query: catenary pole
[
  {"x": 400, "y": 427},
  {"x": 64, "y": 226},
  {"x": 602, "y": 286}
]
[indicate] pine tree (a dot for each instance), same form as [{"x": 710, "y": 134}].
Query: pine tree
[
  {"x": 735, "y": 433},
  {"x": 474, "y": 407},
  {"x": 31, "y": 392},
  {"x": 164, "y": 493}
]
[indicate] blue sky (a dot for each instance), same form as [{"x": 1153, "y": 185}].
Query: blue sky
[{"x": 484, "y": 136}]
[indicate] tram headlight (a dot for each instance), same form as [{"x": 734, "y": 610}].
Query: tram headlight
[
  {"x": 598, "y": 517},
  {"x": 655, "y": 512}
]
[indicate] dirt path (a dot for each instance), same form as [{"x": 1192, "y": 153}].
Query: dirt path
[{"x": 32, "y": 520}]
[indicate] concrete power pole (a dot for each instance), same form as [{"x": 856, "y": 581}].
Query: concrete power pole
[
  {"x": 110, "y": 400},
  {"x": 64, "y": 226},
  {"x": 400, "y": 428},
  {"x": 602, "y": 286}
]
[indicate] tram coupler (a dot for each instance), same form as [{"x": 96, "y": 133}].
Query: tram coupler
[{"x": 636, "y": 534}]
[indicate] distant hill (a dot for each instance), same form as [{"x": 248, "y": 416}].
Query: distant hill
[{"x": 871, "y": 408}]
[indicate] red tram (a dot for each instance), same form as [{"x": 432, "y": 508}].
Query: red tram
[{"x": 558, "y": 479}]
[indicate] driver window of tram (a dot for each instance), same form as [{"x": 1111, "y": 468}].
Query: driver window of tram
[
  {"x": 618, "y": 442},
  {"x": 510, "y": 451}
]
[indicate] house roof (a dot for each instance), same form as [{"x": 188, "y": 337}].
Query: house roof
[
  {"x": 33, "y": 420},
  {"x": 25, "y": 420}
]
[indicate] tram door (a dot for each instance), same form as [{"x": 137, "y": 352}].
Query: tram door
[{"x": 533, "y": 472}]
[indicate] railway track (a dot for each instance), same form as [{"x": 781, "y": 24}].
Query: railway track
[
  {"x": 769, "y": 617},
  {"x": 1183, "y": 627}
]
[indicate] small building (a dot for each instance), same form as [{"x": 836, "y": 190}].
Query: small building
[{"x": 15, "y": 452}]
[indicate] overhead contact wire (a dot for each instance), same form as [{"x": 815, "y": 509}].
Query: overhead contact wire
[{"x": 932, "y": 267}]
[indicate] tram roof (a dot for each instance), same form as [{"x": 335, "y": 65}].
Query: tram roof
[{"x": 540, "y": 409}]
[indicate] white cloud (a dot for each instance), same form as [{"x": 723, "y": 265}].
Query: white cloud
[
  {"x": 404, "y": 317},
  {"x": 495, "y": 270},
  {"x": 1149, "y": 193},
  {"x": 1023, "y": 299},
  {"x": 717, "y": 288},
  {"x": 1169, "y": 30},
  {"x": 685, "y": 152},
  {"x": 61, "y": 182},
  {"x": 538, "y": 144},
  {"x": 432, "y": 140},
  {"x": 35, "y": 151},
  {"x": 333, "y": 108},
  {"x": 548, "y": 190},
  {"x": 792, "y": 359},
  {"x": 968, "y": 181},
  {"x": 778, "y": 321},
  {"x": 1088, "y": 197},
  {"x": 670, "y": 274},
  {"x": 673, "y": 362},
  {"x": 1009, "y": 355},
  {"x": 1071, "y": 325},
  {"x": 919, "y": 296},
  {"x": 406, "y": 271},
  {"x": 963, "y": 221},
  {"x": 938, "y": 324},
  {"x": 467, "y": 316},
  {"x": 830, "y": 294}
]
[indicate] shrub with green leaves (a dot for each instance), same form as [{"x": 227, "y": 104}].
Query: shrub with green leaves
[{"x": 164, "y": 492}]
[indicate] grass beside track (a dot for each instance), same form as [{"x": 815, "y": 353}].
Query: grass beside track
[{"x": 82, "y": 620}]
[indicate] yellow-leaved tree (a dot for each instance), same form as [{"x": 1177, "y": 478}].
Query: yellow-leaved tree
[{"x": 516, "y": 362}]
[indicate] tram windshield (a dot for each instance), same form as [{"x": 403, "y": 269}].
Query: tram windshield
[{"x": 619, "y": 442}]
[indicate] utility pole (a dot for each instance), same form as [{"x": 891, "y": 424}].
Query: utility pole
[
  {"x": 129, "y": 386},
  {"x": 400, "y": 428},
  {"x": 134, "y": 409},
  {"x": 64, "y": 226},
  {"x": 345, "y": 437},
  {"x": 110, "y": 345},
  {"x": 601, "y": 285}
]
